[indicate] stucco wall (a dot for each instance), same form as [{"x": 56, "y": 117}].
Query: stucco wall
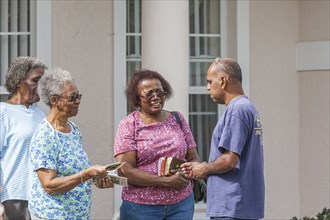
[
  {"x": 83, "y": 44},
  {"x": 274, "y": 89},
  {"x": 314, "y": 142},
  {"x": 314, "y": 23},
  {"x": 294, "y": 106}
]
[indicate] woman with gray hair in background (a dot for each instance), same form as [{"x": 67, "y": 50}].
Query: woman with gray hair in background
[
  {"x": 19, "y": 117},
  {"x": 60, "y": 188}
]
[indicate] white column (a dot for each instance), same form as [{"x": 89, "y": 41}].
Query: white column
[{"x": 165, "y": 46}]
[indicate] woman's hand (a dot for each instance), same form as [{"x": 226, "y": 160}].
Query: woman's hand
[
  {"x": 103, "y": 183},
  {"x": 53, "y": 184},
  {"x": 95, "y": 172},
  {"x": 176, "y": 181}
]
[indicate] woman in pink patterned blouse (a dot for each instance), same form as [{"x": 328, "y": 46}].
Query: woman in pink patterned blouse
[{"x": 143, "y": 137}]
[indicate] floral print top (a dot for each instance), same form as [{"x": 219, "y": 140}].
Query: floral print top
[
  {"x": 151, "y": 142},
  {"x": 64, "y": 153}
]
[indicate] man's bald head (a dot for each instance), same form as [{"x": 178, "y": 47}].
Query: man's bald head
[{"x": 229, "y": 66}]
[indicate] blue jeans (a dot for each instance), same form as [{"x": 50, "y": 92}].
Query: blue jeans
[
  {"x": 183, "y": 210},
  {"x": 223, "y": 218},
  {"x": 227, "y": 218}
]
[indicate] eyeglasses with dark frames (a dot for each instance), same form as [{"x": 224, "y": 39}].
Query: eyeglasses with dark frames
[
  {"x": 149, "y": 95},
  {"x": 71, "y": 98}
]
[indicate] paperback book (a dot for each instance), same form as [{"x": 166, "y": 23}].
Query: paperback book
[{"x": 168, "y": 164}]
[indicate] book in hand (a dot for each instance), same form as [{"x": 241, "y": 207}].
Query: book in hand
[
  {"x": 119, "y": 180},
  {"x": 114, "y": 166},
  {"x": 113, "y": 175},
  {"x": 167, "y": 164}
]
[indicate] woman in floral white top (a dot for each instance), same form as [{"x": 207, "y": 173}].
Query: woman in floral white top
[{"x": 60, "y": 189}]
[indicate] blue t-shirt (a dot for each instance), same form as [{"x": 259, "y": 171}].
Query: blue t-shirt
[
  {"x": 64, "y": 153},
  {"x": 238, "y": 193},
  {"x": 17, "y": 125}
]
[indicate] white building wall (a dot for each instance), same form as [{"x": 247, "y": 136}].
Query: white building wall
[
  {"x": 275, "y": 90},
  {"x": 294, "y": 105},
  {"x": 314, "y": 23},
  {"x": 83, "y": 44}
]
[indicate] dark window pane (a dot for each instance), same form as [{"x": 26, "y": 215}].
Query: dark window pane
[
  {"x": 133, "y": 39},
  {"x": 15, "y": 25},
  {"x": 133, "y": 14},
  {"x": 203, "y": 116},
  {"x": 204, "y": 16},
  {"x": 198, "y": 71},
  {"x": 205, "y": 46},
  {"x": 133, "y": 44},
  {"x": 131, "y": 67}
]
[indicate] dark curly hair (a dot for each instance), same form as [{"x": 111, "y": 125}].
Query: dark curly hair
[{"x": 131, "y": 90}]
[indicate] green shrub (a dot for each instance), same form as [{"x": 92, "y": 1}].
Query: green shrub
[{"x": 324, "y": 215}]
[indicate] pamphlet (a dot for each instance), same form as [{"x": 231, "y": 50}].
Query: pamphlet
[
  {"x": 113, "y": 174},
  {"x": 114, "y": 166},
  {"x": 119, "y": 180}
]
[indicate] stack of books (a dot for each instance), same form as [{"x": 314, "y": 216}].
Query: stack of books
[{"x": 168, "y": 165}]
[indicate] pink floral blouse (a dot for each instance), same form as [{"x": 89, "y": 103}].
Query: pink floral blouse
[{"x": 151, "y": 142}]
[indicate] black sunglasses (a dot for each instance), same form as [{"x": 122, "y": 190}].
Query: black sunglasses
[{"x": 151, "y": 94}]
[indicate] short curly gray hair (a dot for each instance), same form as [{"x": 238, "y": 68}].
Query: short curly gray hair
[
  {"x": 52, "y": 83},
  {"x": 18, "y": 70}
]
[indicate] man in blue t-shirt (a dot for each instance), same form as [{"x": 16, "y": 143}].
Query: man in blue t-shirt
[{"x": 235, "y": 171}]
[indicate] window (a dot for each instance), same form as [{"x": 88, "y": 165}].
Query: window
[
  {"x": 204, "y": 40},
  {"x": 205, "y": 46},
  {"x": 133, "y": 39},
  {"x": 17, "y": 35}
]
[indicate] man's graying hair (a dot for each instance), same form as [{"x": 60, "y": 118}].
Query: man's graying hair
[
  {"x": 18, "y": 70},
  {"x": 52, "y": 84},
  {"x": 230, "y": 66}
]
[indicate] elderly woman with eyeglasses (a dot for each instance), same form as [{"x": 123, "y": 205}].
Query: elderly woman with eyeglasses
[
  {"x": 143, "y": 137},
  {"x": 60, "y": 188},
  {"x": 19, "y": 117}
]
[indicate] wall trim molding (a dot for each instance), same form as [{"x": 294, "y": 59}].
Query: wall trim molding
[{"x": 314, "y": 55}]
